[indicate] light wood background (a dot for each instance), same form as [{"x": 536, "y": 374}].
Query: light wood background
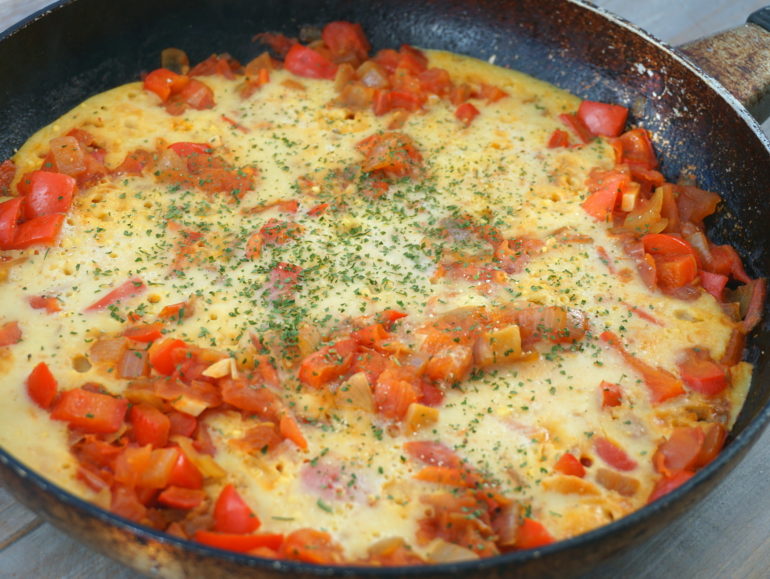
[{"x": 727, "y": 535}]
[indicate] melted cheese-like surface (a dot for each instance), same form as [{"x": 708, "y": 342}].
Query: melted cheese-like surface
[{"x": 511, "y": 422}]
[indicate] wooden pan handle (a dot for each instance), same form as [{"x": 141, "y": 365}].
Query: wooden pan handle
[{"x": 740, "y": 60}]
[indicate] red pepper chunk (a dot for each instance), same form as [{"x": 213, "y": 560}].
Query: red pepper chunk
[
  {"x": 10, "y": 334},
  {"x": 569, "y": 465},
  {"x": 239, "y": 543},
  {"x": 532, "y": 534},
  {"x": 702, "y": 374},
  {"x": 164, "y": 82},
  {"x": 42, "y": 386},
  {"x": 10, "y": 212},
  {"x": 613, "y": 455},
  {"x": 90, "y": 411},
  {"x": 41, "y": 230}
]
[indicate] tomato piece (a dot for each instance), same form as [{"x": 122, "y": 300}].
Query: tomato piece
[
  {"x": 159, "y": 468},
  {"x": 613, "y": 455},
  {"x": 432, "y": 453},
  {"x": 127, "y": 289},
  {"x": 680, "y": 451},
  {"x": 181, "y": 498},
  {"x": 394, "y": 154},
  {"x": 308, "y": 63},
  {"x": 197, "y": 95},
  {"x": 395, "y": 390},
  {"x": 668, "y": 483},
  {"x": 714, "y": 284},
  {"x": 125, "y": 503},
  {"x": 635, "y": 148},
  {"x": 145, "y": 332},
  {"x": 162, "y": 355},
  {"x": 134, "y": 163},
  {"x": 185, "y": 474},
  {"x": 661, "y": 383},
  {"x": 42, "y": 386},
  {"x": 66, "y": 156},
  {"x": 714, "y": 438},
  {"x": 90, "y": 411},
  {"x": 41, "y": 230},
  {"x": 700, "y": 373},
  {"x": 186, "y": 149},
  {"x": 445, "y": 475},
  {"x": 318, "y": 209},
  {"x": 289, "y": 429},
  {"x": 606, "y": 187},
  {"x": 578, "y": 127},
  {"x": 151, "y": 426},
  {"x": 327, "y": 364},
  {"x": 532, "y": 534},
  {"x": 10, "y": 333},
  {"x": 558, "y": 138},
  {"x": 436, "y": 81},
  {"x": 311, "y": 546},
  {"x": 239, "y": 543},
  {"x": 7, "y": 175},
  {"x": 10, "y": 213},
  {"x": 465, "y": 113},
  {"x": 49, "y": 304},
  {"x": 346, "y": 42},
  {"x": 232, "y": 514},
  {"x": 602, "y": 119},
  {"x": 164, "y": 83},
  {"x": 612, "y": 395},
  {"x": 568, "y": 464},
  {"x": 49, "y": 193}
]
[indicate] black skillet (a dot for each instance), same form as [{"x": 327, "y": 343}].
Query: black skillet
[{"x": 53, "y": 61}]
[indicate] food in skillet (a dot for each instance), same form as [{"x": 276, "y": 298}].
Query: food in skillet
[{"x": 341, "y": 308}]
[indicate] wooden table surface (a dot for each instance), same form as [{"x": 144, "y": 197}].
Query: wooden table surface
[{"x": 727, "y": 535}]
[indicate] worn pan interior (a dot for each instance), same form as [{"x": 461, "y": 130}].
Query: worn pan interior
[{"x": 81, "y": 47}]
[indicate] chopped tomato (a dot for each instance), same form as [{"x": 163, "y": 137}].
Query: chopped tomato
[
  {"x": 714, "y": 438},
  {"x": 611, "y": 394},
  {"x": 7, "y": 175},
  {"x": 432, "y": 453},
  {"x": 164, "y": 82},
  {"x": 394, "y": 391},
  {"x": 41, "y": 230},
  {"x": 680, "y": 451},
  {"x": 195, "y": 94},
  {"x": 239, "y": 543},
  {"x": 185, "y": 474},
  {"x": 311, "y": 546},
  {"x": 162, "y": 355},
  {"x": 613, "y": 455},
  {"x": 346, "y": 42},
  {"x": 125, "y": 503},
  {"x": 327, "y": 364},
  {"x": 308, "y": 63},
  {"x": 702, "y": 374},
  {"x": 602, "y": 119},
  {"x": 578, "y": 127},
  {"x": 568, "y": 464},
  {"x": 48, "y": 193},
  {"x": 181, "y": 498},
  {"x": 10, "y": 333},
  {"x": 532, "y": 534},
  {"x": 90, "y": 411},
  {"x": 635, "y": 148},
  {"x": 466, "y": 112},
  {"x": 10, "y": 213},
  {"x": 250, "y": 397},
  {"x": 42, "y": 386},
  {"x": 394, "y": 154},
  {"x": 145, "y": 332},
  {"x": 668, "y": 483},
  {"x": 605, "y": 188},
  {"x": 49, "y": 304},
  {"x": 187, "y": 149},
  {"x": 232, "y": 514},
  {"x": 661, "y": 383},
  {"x": 558, "y": 138},
  {"x": 318, "y": 209},
  {"x": 445, "y": 475},
  {"x": 290, "y": 429},
  {"x": 159, "y": 468},
  {"x": 150, "y": 425},
  {"x": 714, "y": 284},
  {"x": 127, "y": 289}
]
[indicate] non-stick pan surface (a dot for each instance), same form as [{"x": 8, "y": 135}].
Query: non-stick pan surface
[{"x": 85, "y": 46}]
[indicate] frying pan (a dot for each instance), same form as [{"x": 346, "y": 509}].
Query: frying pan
[{"x": 80, "y": 48}]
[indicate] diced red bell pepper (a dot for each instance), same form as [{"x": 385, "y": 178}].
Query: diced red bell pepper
[{"x": 90, "y": 411}]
